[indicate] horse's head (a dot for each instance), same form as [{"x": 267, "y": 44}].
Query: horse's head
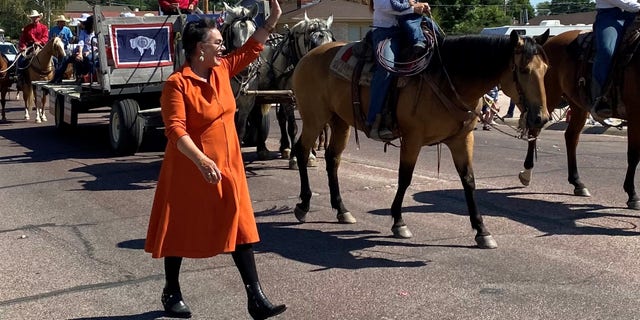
[
  {"x": 311, "y": 33},
  {"x": 57, "y": 47},
  {"x": 525, "y": 82},
  {"x": 239, "y": 25}
]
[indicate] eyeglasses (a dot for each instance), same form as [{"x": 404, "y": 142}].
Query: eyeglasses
[{"x": 217, "y": 45}]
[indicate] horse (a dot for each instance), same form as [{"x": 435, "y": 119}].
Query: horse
[
  {"x": 561, "y": 83},
  {"x": 440, "y": 105},
  {"x": 280, "y": 59},
  {"x": 40, "y": 68},
  {"x": 7, "y": 75},
  {"x": 239, "y": 24}
]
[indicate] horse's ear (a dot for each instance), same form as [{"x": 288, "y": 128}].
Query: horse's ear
[
  {"x": 254, "y": 11},
  {"x": 329, "y": 21},
  {"x": 226, "y": 7},
  {"x": 306, "y": 17},
  {"x": 541, "y": 39},
  {"x": 514, "y": 37}
]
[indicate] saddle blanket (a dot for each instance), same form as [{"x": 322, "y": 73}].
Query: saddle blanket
[{"x": 345, "y": 61}]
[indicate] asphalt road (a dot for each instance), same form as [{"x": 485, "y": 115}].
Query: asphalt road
[{"x": 74, "y": 219}]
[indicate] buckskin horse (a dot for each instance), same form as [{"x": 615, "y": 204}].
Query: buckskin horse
[
  {"x": 440, "y": 105},
  {"x": 40, "y": 68},
  {"x": 562, "y": 82}
]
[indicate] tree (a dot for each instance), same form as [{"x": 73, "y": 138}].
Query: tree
[
  {"x": 572, "y": 6},
  {"x": 469, "y": 16}
]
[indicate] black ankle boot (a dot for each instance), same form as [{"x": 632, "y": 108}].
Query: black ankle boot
[
  {"x": 258, "y": 305},
  {"x": 173, "y": 304}
]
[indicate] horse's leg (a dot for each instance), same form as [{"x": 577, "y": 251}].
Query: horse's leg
[
  {"x": 262, "y": 119},
  {"x": 300, "y": 152},
  {"x": 3, "y": 101},
  {"x": 409, "y": 151},
  {"x": 26, "y": 96},
  {"x": 571, "y": 138},
  {"x": 43, "y": 115},
  {"x": 285, "y": 146},
  {"x": 462, "y": 153},
  {"x": 525, "y": 175},
  {"x": 332, "y": 157},
  {"x": 633, "y": 156}
]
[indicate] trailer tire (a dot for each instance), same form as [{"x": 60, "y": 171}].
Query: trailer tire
[{"x": 126, "y": 129}]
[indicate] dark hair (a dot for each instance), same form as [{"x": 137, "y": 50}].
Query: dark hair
[
  {"x": 194, "y": 32},
  {"x": 88, "y": 24}
]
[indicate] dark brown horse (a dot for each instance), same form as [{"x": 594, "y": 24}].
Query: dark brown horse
[
  {"x": 6, "y": 80},
  {"x": 561, "y": 82},
  {"x": 439, "y": 106}
]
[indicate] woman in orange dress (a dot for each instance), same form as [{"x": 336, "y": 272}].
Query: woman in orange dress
[{"x": 202, "y": 205}]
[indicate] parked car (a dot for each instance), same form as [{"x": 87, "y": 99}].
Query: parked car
[{"x": 9, "y": 50}]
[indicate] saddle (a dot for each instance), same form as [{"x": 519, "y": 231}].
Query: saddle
[
  {"x": 355, "y": 62},
  {"x": 583, "y": 50}
]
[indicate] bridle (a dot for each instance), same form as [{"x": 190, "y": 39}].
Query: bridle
[
  {"x": 309, "y": 33},
  {"x": 227, "y": 34}
]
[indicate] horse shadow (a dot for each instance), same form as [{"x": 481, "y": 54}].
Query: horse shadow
[
  {"x": 342, "y": 249},
  {"x": 149, "y": 315},
  {"x": 120, "y": 175},
  {"x": 86, "y": 141},
  {"x": 549, "y": 217}
]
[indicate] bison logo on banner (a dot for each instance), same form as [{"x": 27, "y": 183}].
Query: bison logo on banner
[{"x": 142, "y": 45}]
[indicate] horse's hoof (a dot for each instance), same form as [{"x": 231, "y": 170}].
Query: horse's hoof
[
  {"x": 486, "y": 242},
  {"x": 286, "y": 153},
  {"x": 300, "y": 214},
  {"x": 313, "y": 161},
  {"x": 525, "y": 178},
  {"x": 263, "y": 155},
  {"x": 38, "y": 120},
  {"x": 346, "y": 218},
  {"x": 401, "y": 232},
  {"x": 634, "y": 205},
  {"x": 27, "y": 118},
  {"x": 293, "y": 164},
  {"x": 582, "y": 192},
  {"x": 44, "y": 119}
]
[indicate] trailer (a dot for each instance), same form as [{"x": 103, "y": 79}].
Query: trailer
[{"x": 136, "y": 56}]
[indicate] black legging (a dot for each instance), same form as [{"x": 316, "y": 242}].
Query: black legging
[{"x": 242, "y": 257}]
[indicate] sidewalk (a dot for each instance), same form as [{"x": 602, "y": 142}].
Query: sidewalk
[{"x": 553, "y": 124}]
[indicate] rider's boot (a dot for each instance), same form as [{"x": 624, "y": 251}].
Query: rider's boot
[{"x": 601, "y": 109}]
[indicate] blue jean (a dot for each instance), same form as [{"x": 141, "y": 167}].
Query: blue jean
[
  {"x": 608, "y": 30},
  {"x": 381, "y": 77},
  {"x": 410, "y": 25}
]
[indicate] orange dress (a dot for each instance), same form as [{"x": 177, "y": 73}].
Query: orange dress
[{"x": 191, "y": 217}]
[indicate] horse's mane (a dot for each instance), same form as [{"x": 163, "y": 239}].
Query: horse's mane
[{"x": 476, "y": 56}]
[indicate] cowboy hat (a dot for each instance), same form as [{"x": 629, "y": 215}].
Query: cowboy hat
[
  {"x": 84, "y": 17},
  {"x": 35, "y": 13},
  {"x": 61, "y": 18}
]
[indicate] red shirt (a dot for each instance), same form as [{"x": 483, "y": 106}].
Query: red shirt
[
  {"x": 33, "y": 33},
  {"x": 165, "y": 5}
]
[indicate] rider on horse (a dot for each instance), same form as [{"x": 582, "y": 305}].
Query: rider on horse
[
  {"x": 613, "y": 17},
  {"x": 34, "y": 34},
  {"x": 385, "y": 26}
]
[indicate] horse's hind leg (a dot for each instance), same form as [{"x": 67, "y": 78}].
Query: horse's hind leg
[
  {"x": 462, "y": 152},
  {"x": 571, "y": 138},
  {"x": 262, "y": 118},
  {"x": 340, "y": 131},
  {"x": 3, "y": 102},
  {"x": 633, "y": 156}
]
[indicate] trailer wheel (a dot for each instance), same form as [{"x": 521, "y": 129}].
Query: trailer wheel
[{"x": 125, "y": 127}]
